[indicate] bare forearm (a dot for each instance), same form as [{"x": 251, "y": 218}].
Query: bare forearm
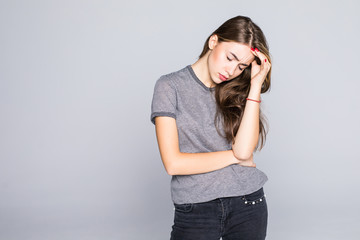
[
  {"x": 179, "y": 163},
  {"x": 195, "y": 163},
  {"x": 248, "y": 133}
]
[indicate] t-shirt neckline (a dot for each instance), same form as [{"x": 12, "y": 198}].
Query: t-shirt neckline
[{"x": 191, "y": 70}]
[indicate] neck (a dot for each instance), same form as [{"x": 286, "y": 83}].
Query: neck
[{"x": 201, "y": 70}]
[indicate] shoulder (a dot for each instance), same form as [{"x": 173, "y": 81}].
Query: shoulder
[{"x": 173, "y": 79}]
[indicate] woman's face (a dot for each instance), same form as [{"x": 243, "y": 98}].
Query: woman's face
[{"x": 227, "y": 60}]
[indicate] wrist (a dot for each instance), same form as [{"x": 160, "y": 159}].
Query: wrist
[
  {"x": 255, "y": 86},
  {"x": 255, "y": 91}
]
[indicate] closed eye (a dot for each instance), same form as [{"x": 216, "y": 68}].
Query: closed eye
[{"x": 231, "y": 60}]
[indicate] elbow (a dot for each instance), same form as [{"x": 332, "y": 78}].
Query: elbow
[
  {"x": 243, "y": 155},
  {"x": 170, "y": 169},
  {"x": 172, "y": 165},
  {"x": 243, "y": 152}
]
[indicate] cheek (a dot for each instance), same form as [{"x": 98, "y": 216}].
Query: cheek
[
  {"x": 218, "y": 57},
  {"x": 215, "y": 59}
]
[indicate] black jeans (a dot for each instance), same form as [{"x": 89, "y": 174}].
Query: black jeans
[{"x": 232, "y": 218}]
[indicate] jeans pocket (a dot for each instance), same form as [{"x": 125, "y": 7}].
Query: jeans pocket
[
  {"x": 186, "y": 207},
  {"x": 254, "y": 198}
]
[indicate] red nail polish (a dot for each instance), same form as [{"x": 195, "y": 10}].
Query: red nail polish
[
  {"x": 256, "y": 49},
  {"x": 265, "y": 60},
  {"x": 252, "y": 49}
]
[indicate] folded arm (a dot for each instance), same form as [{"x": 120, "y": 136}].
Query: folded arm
[{"x": 178, "y": 163}]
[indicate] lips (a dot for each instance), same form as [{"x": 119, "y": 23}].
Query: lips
[{"x": 222, "y": 77}]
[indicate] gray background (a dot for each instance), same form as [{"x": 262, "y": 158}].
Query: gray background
[{"x": 78, "y": 153}]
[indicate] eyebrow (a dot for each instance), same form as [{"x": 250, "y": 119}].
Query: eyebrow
[{"x": 238, "y": 60}]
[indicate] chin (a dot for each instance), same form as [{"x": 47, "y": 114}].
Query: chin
[{"x": 216, "y": 79}]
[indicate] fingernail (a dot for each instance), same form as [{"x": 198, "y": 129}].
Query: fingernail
[
  {"x": 256, "y": 49},
  {"x": 265, "y": 60},
  {"x": 252, "y": 49}
]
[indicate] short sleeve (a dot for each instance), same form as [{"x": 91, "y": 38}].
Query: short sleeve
[{"x": 164, "y": 99}]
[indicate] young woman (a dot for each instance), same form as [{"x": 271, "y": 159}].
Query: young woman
[{"x": 208, "y": 124}]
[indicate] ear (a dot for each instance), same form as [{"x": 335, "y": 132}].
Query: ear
[{"x": 213, "y": 41}]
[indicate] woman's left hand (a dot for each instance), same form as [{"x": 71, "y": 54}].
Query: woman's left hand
[{"x": 259, "y": 72}]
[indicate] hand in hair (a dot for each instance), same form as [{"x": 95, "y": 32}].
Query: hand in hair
[{"x": 259, "y": 72}]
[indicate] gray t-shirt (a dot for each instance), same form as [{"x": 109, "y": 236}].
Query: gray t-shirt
[{"x": 181, "y": 95}]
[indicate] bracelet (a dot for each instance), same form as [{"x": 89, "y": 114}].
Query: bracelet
[{"x": 253, "y": 100}]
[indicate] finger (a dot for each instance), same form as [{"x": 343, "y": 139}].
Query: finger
[
  {"x": 254, "y": 53},
  {"x": 262, "y": 57},
  {"x": 258, "y": 60},
  {"x": 254, "y": 63},
  {"x": 265, "y": 64},
  {"x": 255, "y": 68},
  {"x": 259, "y": 54}
]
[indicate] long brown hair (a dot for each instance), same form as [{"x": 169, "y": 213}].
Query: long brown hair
[{"x": 231, "y": 95}]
